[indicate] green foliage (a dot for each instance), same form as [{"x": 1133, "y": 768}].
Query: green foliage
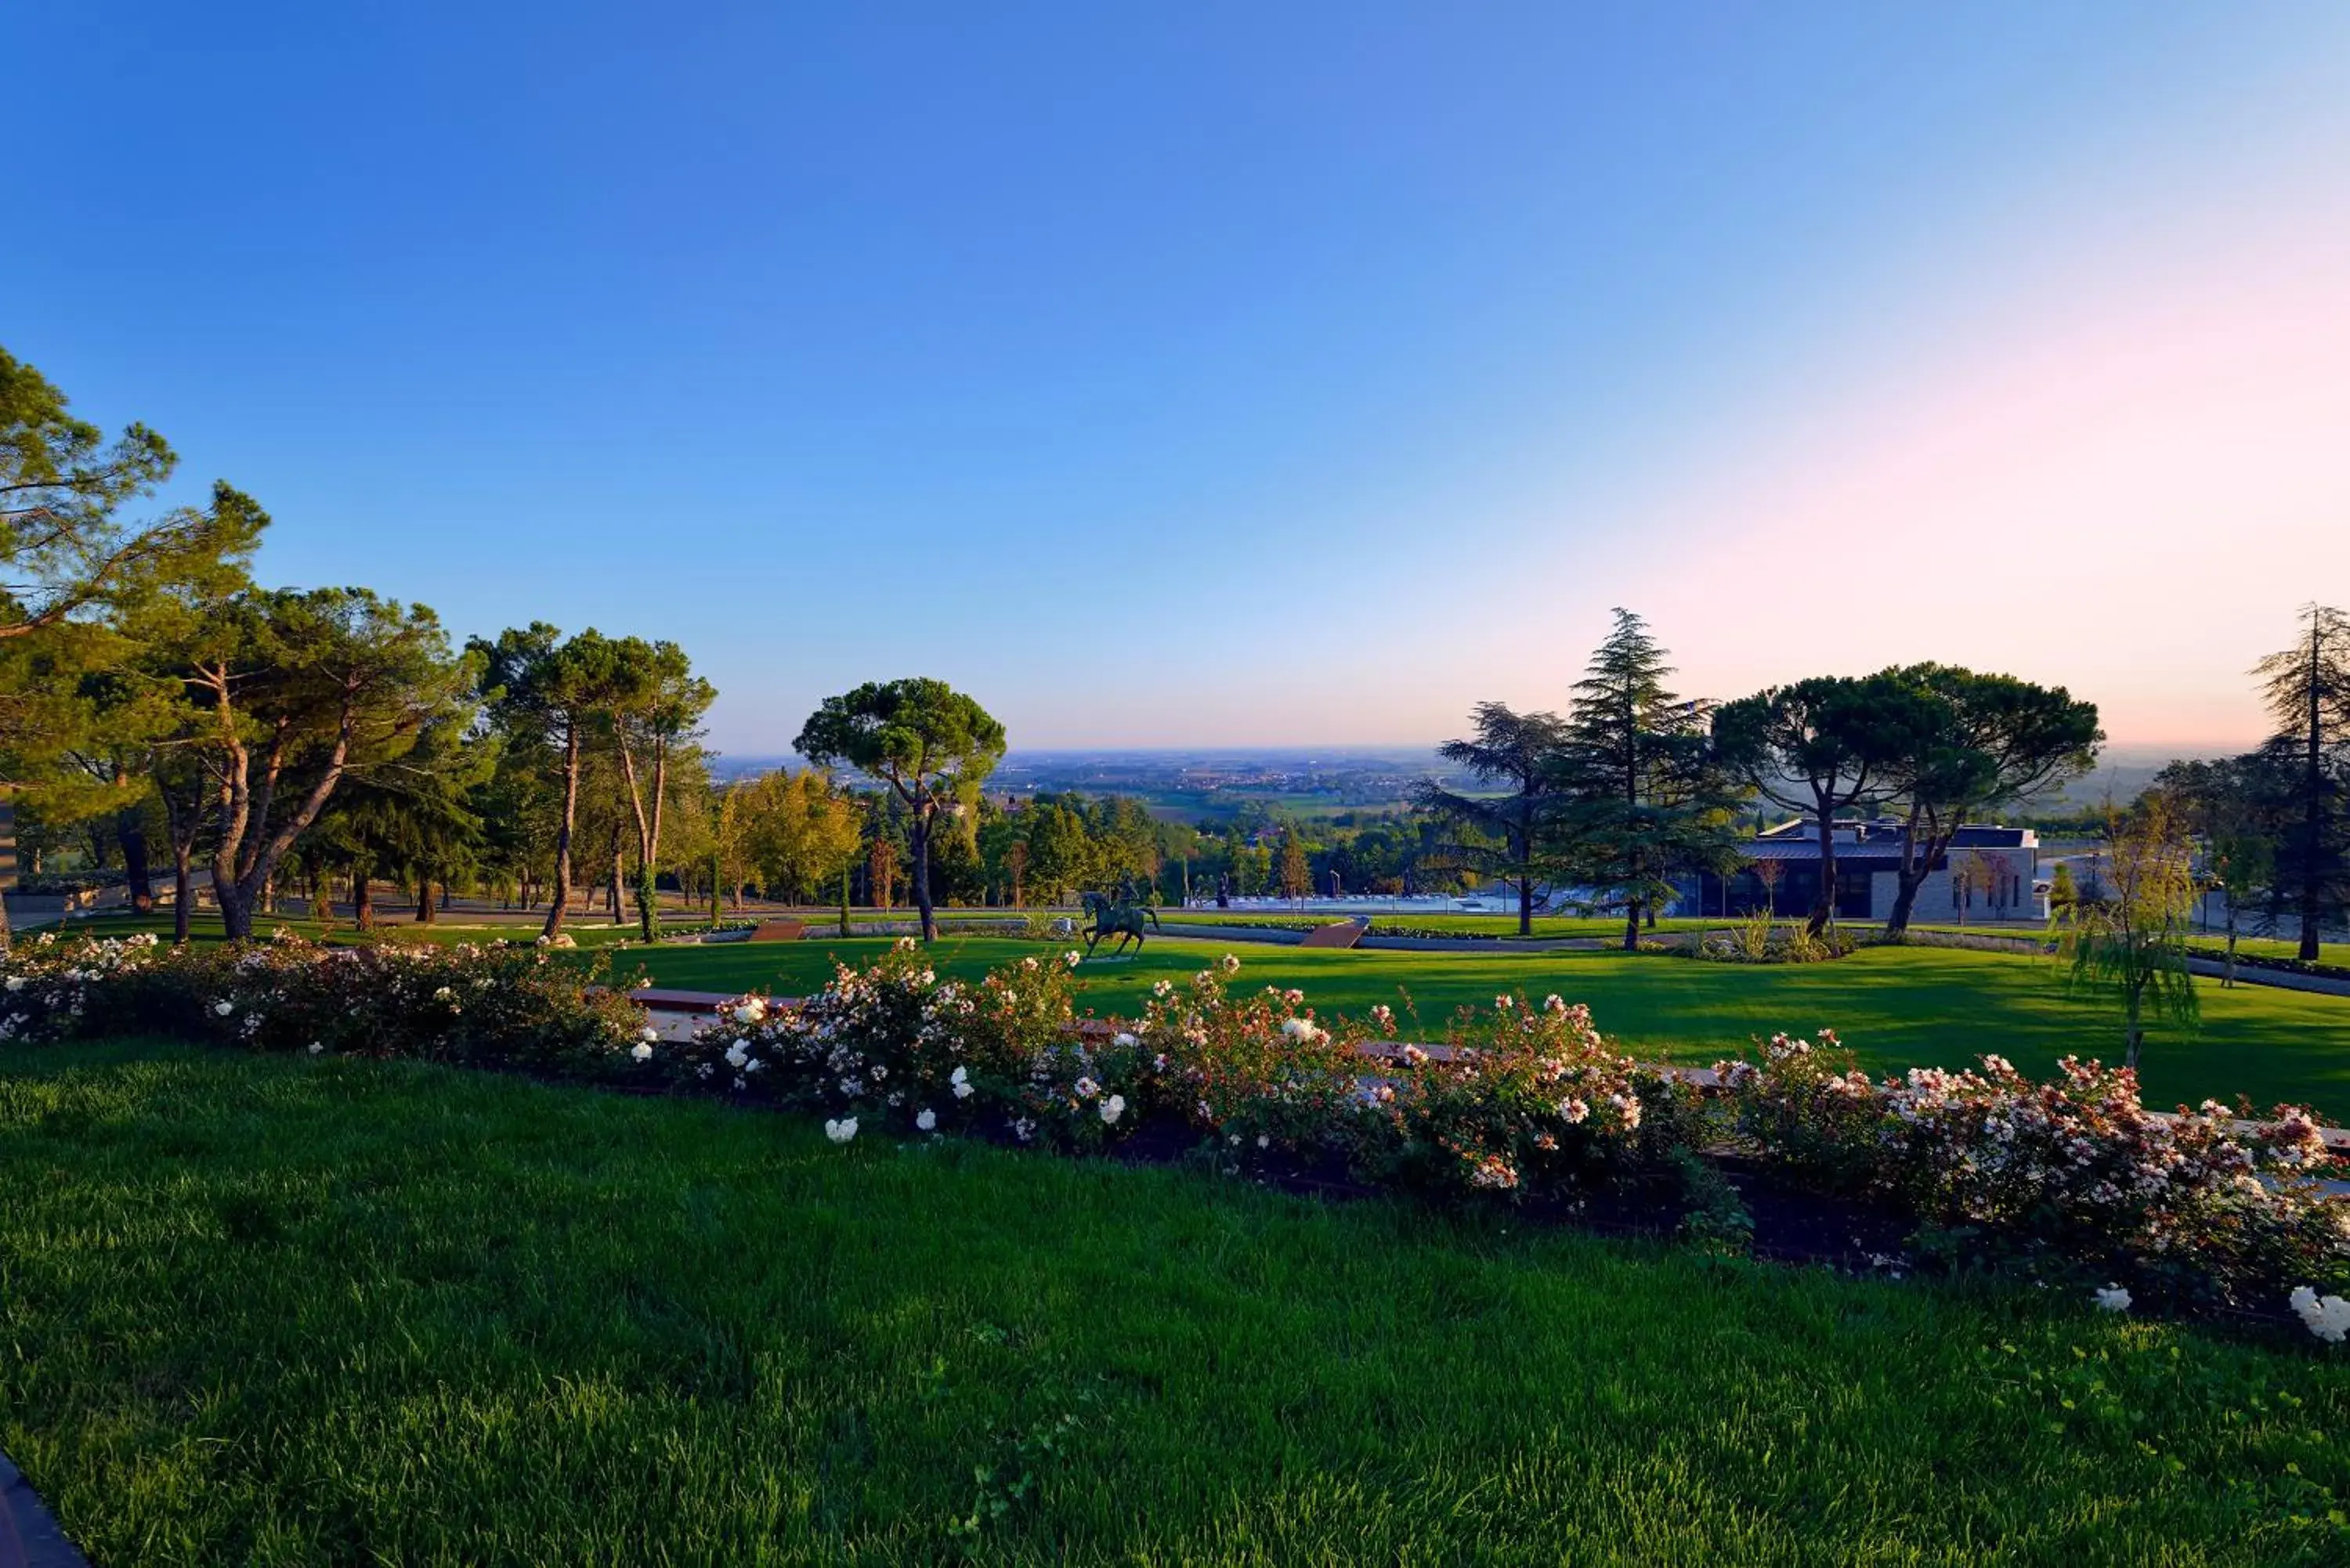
[
  {"x": 63, "y": 548},
  {"x": 1960, "y": 743},
  {"x": 1508, "y": 833},
  {"x": 930, "y": 744},
  {"x": 1819, "y": 747},
  {"x": 925, "y": 740},
  {"x": 2305, "y": 767},
  {"x": 1644, "y": 797},
  {"x": 2130, "y": 946}
]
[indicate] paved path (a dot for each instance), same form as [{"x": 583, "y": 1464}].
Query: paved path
[{"x": 29, "y": 1537}]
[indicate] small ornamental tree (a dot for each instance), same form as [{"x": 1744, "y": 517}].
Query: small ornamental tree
[
  {"x": 2129, "y": 946},
  {"x": 1297, "y": 876},
  {"x": 929, "y": 743},
  {"x": 2224, "y": 802}
]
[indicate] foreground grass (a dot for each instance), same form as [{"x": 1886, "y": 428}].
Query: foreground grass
[
  {"x": 1896, "y": 1007},
  {"x": 292, "y": 1312}
]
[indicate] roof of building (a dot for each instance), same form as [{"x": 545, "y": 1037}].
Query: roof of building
[
  {"x": 1809, "y": 850},
  {"x": 1870, "y": 832}
]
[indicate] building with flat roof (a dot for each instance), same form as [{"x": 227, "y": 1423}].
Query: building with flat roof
[{"x": 1989, "y": 873}]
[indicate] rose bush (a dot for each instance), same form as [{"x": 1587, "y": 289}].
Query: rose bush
[
  {"x": 2211, "y": 1206},
  {"x": 1531, "y": 1102},
  {"x": 495, "y": 1006}
]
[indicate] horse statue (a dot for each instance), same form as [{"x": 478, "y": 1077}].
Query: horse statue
[{"x": 1113, "y": 919}]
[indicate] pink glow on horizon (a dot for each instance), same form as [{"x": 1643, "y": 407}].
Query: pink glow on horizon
[{"x": 2126, "y": 489}]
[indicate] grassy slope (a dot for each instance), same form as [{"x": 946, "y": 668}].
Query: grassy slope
[
  {"x": 281, "y": 1312},
  {"x": 1896, "y": 1007}
]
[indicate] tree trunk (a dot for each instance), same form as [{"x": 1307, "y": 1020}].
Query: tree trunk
[
  {"x": 131, "y": 833},
  {"x": 560, "y": 900},
  {"x": 1632, "y": 928},
  {"x": 922, "y": 875},
  {"x": 2312, "y": 817},
  {"x": 1905, "y": 900},
  {"x": 1525, "y": 905},
  {"x": 183, "y": 890},
  {"x": 618, "y": 919},
  {"x": 2136, "y": 1034},
  {"x": 1824, "y": 906},
  {"x": 423, "y": 899},
  {"x": 362, "y": 900}
]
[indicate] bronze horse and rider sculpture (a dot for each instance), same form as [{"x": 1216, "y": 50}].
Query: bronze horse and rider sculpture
[{"x": 1114, "y": 918}]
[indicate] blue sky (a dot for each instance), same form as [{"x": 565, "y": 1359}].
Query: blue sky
[{"x": 1234, "y": 372}]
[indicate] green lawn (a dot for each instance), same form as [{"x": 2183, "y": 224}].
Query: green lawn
[
  {"x": 1896, "y": 1007},
  {"x": 1611, "y": 926},
  {"x": 273, "y": 1312},
  {"x": 2270, "y": 947}
]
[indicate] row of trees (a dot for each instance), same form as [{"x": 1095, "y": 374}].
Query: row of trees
[
  {"x": 1637, "y": 786},
  {"x": 152, "y": 691},
  {"x": 283, "y": 736},
  {"x": 2274, "y": 822}
]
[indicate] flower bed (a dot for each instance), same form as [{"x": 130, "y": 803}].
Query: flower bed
[
  {"x": 1528, "y": 1103},
  {"x": 485, "y": 1005},
  {"x": 2074, "y": 1170}
]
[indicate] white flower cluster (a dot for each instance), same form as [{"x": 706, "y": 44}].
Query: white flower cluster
[{"x": 2327, "y": 1317}]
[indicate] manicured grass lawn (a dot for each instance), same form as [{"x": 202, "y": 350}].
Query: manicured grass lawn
[
  {"x": 1896, "y": 1007},
  {"x": 273, "y": 1312},
  {"x": 2272, "y": 947},
  {"x": 1467, "y": 925}
]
